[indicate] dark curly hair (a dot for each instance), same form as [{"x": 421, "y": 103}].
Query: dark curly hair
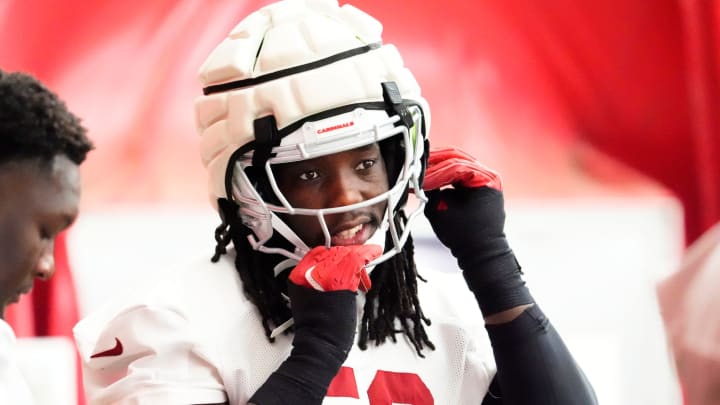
[{"x": 36, "y": 124}]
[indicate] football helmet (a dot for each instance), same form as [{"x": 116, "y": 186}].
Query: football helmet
[{"x": 300, "y": 79}]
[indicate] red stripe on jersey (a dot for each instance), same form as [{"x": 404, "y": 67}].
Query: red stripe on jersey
[
  {"x": 343, "y": 385},
  {"x": 406, "y": 388}
]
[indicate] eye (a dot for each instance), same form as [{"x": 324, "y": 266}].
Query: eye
[
  {"x": 309, "y": 175},
  {"x": 365, "y": 164}
]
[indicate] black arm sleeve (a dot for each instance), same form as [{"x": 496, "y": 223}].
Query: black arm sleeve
[{"x": 534, "y": 365}]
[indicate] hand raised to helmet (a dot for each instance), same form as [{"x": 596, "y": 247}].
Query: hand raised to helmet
[
  {"x": 466, "y": 211},
  {"x": 465, "y": 206}
]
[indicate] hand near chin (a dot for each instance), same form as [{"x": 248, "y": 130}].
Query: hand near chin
[
  {"x": 335, "y": 269},
  {"x": 323, "y": 293}
]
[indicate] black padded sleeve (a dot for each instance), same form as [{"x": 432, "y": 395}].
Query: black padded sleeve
[{"x": 534, "y": 365}]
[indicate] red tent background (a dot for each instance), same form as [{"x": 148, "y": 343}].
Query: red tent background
[
  {"x": 564, "y": 98},
  {"x": 523, "y": 85}
]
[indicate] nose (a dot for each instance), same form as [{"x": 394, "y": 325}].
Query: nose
[
  {"x": 45, "y": 267},
  {"x": 345, "y": 189}
]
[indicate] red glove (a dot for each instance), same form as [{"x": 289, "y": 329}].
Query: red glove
[
  {"x": 450, "y": 166},
  {"x": 323, "y": 299},
  {"x": 335, "y": 269}
]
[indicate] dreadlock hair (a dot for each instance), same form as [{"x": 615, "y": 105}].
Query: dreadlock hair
[
  {"x": 394, "y": 296},
  {"x": 392, "y": 305},
  {"x": 392, "y": 300},
  {"x": 36, "y": 124},
  {"x": 255, "y": 268}
]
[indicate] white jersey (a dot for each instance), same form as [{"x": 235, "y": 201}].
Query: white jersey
[
  {"x": 13, "y": 387},
  {"x": 196, "y": 338}
]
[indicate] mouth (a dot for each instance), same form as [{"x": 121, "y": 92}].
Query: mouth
[{"x": 353, "y": 234}]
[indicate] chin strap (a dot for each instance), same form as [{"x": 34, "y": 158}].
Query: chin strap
[
  {"x": 284, "y": 265},
  {"x": 394, "y": 101},
  {"x": 284, "y": 230}
]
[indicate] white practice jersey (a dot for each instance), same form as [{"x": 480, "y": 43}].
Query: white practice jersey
[
  {"x": 13, "y": 387},
  {"x": 195, "y": 338}
]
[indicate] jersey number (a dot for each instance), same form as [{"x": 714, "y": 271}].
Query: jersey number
[{"x": 387, "y": 387}]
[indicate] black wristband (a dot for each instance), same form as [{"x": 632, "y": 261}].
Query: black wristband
[
  {"x": 496, "y": 283},
  {"x": 278, "y": 389},
  {"x": 470, "y": 221}
]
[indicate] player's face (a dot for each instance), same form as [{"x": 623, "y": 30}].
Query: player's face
[
  {"x": 38, "y": 202},
  {"x": 335, "y": 180}
]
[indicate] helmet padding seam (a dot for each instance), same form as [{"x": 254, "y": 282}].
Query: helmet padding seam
[{"x": 239, "y": 84}]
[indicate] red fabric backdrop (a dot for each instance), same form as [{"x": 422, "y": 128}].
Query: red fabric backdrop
[
  {"x": 565, "y": 98},
  {"x": 540, "y": 90}
]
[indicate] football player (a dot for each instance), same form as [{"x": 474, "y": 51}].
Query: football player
[
  {"x": 315, "y": 137},
  {"x": 42, "y": 145}
]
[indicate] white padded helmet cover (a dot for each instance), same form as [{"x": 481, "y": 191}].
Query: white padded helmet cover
[{"x": 284, "y": 35}]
